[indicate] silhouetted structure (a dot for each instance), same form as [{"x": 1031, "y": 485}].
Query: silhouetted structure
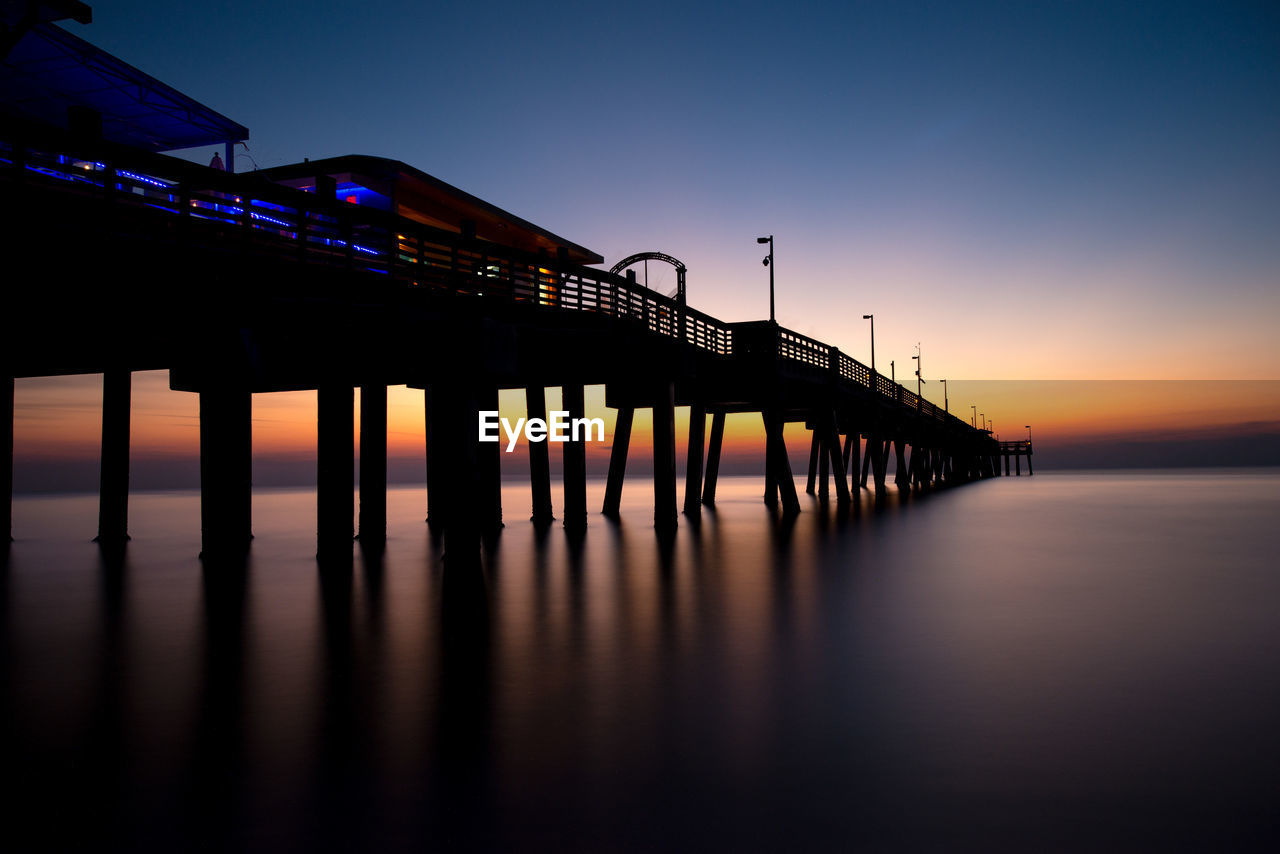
[{"x": 364, "y": 272}]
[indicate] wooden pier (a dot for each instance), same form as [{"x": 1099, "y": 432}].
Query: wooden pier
[{"x": 237, "y": 285}]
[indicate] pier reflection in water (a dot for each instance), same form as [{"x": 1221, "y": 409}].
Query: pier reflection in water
[{"x": 1059, "y": 662}]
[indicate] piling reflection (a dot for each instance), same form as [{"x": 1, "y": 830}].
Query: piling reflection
[{"x": 214, "y": 808}]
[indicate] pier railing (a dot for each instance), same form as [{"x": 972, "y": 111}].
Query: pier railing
[{"x": 246, "y": 214}]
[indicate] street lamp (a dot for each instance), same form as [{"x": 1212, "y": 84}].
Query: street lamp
[
  {"x": 768, "y": 262},
  {"x": 872, "y": 318},
  {"x": 893, "y": 375},
  {"x": 919, "y": 362},
  {"x": 1028, "y": 426},
  {"x": 974, "y": 407},
  {"x": 946, "y": 406},
  {"x": 983, "y": 415}
]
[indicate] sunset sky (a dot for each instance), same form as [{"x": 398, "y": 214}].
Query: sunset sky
[{"x": 1033, "y": 191}]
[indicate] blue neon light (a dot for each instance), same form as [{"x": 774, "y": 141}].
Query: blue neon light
[
  {"x": 143, "y": 179},
  {"x": 279, "y": 222}
]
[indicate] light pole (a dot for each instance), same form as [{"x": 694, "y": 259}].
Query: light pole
[
  {"x": 946, "y": 406},
  {"x": 983, "y": 415},
  {"x": 768, "y": 262},
  {"x": 1028, "y": 426},
  {"x": 872, "y": 318},
  {"x": 974, "y": 407},
  {"x": 893, "y": 376},
  {"x": 919, "y": 362}
]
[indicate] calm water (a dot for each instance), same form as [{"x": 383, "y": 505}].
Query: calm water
[{"x": 1064, "y": 662}]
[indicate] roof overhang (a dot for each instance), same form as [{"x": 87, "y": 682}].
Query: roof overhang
[
  {"x": 49, "y": 72},
  {"x": 429, "y": 200}
]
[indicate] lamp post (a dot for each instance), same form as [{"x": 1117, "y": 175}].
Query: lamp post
[
  {"x": 872, "y": 318},
  {"x": 1028, "y": 426},
  {"x": 983, "y": 416},
  {"x": 946, "y": 406},
  {"x": 974, "y": 407},
  {"x": 893, "y": 376},
  {"x": 768, "y": 262},
  {"x": 919, "y": 362}
]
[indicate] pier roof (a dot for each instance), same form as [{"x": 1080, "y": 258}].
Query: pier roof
[
  {"x": 49, "y": 71},
  {"x": 426, "y": 199}
]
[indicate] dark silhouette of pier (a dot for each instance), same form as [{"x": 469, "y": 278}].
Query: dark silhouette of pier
[{"x": 123, "y": 260}]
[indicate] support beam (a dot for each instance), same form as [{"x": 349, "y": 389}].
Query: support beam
[
  {"x": 780, "y": 465},
  {"x": 815, "y": 451},
  {"x": 454, "y": 439},
  {"x": 575, "y": 461},
  {"x": 713, "y": 459},
  {"x": 664, "y": 458},
  {"x": 335, "y": 450},
  {"x": 437, "y": 502},
  {"x": 770, "y": 472},
  {"x": 373, "y": 464},
  {"x": 535, "y": 401},
  {"x": 837, "y": 462},
  {"x": 879, "y": 462},
  {"x": 489, "y": 459},
  {"x": 226, "y": 472},
  {"x": 6, "y": 456},
  {"x": 113, "y": 487},
  {"x": 820, "y": 433},
  {"x": 693, "y": 468},
  {"x": 618, "y": 461}
]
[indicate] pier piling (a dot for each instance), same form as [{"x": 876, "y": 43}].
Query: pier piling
[
  {"x": 373, "y": 464},
  {"x": 226, "y": 471},
  {"x": 113, "y": 486},
  {"x": 335, "y": 448},
  {"x": 575, "y": 461},
  {"x": 618, "y": 461},
  {"x": 535, "y": 397},
  {"x": 6, "y": 456},
  {"x": 664, "y": 458},
  {"x": 693, "y": 468},
  {"x": 713, "y": 459}
]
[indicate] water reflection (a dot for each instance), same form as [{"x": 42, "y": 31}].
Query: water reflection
[{"x": 931, "y": 670}]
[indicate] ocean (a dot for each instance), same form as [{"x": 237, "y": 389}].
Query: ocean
[{"x": 1066, "y": 662}]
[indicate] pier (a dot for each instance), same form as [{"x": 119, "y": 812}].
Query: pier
[
  {"x": 237, "y": 285},
  {"x": 362, "y": 272}
]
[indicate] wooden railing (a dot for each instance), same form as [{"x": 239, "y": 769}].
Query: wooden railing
[{"x": 267, "y": 219}]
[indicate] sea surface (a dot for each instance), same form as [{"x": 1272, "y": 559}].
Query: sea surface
[{"x": 1064, "y": 662}]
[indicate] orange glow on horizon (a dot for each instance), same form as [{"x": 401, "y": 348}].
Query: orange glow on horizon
[{"x": 59, "y": 418}]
